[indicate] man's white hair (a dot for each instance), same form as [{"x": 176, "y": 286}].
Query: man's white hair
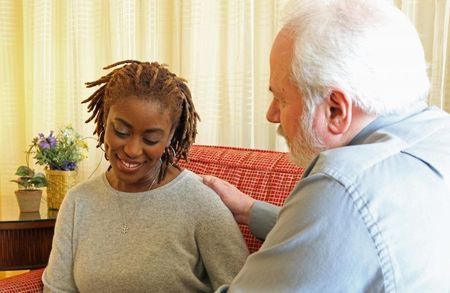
[{"x": 366, "y": 48}]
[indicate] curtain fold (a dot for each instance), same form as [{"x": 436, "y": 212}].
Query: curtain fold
[
  {"x": 432, "y": 20},
  {"x": 49, "y": 49}
]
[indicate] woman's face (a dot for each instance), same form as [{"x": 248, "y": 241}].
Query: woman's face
[{"x": 137, "y": 132}]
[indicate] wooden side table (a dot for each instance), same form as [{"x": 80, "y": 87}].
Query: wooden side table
[{"x": 25, "y": 238}]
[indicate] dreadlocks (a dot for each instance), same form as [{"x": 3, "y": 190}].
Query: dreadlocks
[{"x": 152, "y": 82}]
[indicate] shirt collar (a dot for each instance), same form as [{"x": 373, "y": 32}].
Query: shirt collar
[
  {"x": 378, "y": 123},
  {"x": 381, "y": 122}
]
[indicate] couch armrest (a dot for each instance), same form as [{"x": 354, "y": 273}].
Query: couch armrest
[{"x": 28, "y": 282}]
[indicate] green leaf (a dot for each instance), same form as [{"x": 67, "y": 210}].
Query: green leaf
[
  {"x": 39, "y": 180},
  {"x": 23, "y": 182},
  {"x": 24, "y": 171}
]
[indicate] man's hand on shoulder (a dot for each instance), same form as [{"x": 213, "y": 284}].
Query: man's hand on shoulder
[{"x": 239, "y": 203}]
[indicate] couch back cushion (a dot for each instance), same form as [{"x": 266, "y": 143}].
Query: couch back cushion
[{"x": 265, "y": 175}]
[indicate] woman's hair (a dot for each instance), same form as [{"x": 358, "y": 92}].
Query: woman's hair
[
  {"x": 151, "y": 82},
  {"x": 366, "y": 48}
]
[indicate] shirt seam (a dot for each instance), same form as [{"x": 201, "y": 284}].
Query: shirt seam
[
  {"x": 377, "y": 237},
  {"x": 374, "y": 231}
]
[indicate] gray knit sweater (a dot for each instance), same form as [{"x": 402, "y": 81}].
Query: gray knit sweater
[{"x": 181, "y": 238}]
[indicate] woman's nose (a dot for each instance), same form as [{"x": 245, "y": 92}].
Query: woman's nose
[{"x": 133, "y": 147}]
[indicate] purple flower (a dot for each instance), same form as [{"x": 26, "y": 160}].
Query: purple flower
[
  {"x": 47, "y": 142},
  {"x": 68, "y": 166},
  {"x": 60, "y": 151},
  {"x": 51, "y": 140},
  {"x": 44, "y": 145}
]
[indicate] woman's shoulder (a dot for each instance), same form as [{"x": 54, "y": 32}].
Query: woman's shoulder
[
  {"x": 90, "y": 183},
  {"x": 194, "y": 190},
  {"x": 192, "y": 181},
  {"x": 85, "y": 193},
  {"x": 88, "y": 187},
  {"x": 206, "y": 205}
]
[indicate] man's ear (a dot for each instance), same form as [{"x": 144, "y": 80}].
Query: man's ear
[{"x": 338, "y": 112}]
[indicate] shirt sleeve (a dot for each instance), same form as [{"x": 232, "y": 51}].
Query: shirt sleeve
[
  {"x": 262, "y": 218},
  {"x": 320, "y": 243},
  {"x": 58, "y": 275}
]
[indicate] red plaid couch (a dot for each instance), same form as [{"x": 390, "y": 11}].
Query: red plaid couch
[{"x": 265, "y": 175}]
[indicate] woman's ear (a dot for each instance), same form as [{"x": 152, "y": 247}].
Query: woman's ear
[{"x": 338, "y": 112}]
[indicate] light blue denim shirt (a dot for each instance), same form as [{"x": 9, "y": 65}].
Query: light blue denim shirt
[{"x": 373, "y": 216}]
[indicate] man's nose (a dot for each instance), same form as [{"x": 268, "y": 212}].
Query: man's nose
[{"x": 273, "y": 113}]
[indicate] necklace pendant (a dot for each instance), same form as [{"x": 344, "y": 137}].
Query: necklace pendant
[{"x": 124, "y": 229}]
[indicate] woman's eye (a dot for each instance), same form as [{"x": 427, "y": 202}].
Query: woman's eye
[
  {"x": 150, "y": 142},
  {"x": 120, "y": 134}
]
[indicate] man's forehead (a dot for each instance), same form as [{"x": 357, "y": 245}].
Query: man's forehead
[
  {"x": 280, "y": 60},
  {"x": 277, "y": 82},
  {"x": 283, "y": 44}
]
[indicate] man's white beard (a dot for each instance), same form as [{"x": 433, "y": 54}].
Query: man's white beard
[{"x": 305, "y": 146}]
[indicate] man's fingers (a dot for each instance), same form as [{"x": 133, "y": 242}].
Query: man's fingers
[
  {"x": 214, "y": 182},
  {"x": 208, "y": 179}
]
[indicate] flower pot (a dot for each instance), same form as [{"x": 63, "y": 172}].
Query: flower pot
[
  {"x": 29, "y": 200},
  {"x": 59, "y": 182},
  {"x": 29, "y": 216}
]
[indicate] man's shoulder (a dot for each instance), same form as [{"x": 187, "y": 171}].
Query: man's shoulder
[{"x": 425, "y": 136}]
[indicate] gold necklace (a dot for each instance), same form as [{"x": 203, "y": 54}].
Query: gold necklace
[{"x": 124, "y": 226}]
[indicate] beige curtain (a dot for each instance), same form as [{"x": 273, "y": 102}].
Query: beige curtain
[
  {"x": 50, "y": 48},
  {"x": 432, "y": 20}
]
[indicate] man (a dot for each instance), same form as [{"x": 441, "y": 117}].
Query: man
[{"x": 372, "y": 211}]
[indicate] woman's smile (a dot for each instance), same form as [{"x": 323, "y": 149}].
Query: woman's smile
[{"x": 128, "y": 166}]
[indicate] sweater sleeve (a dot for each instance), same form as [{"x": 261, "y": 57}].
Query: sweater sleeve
[
  {"x": 220, "y": 242},
  {"x": 58, "y": 275}
]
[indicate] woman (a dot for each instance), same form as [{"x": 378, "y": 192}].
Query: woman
[{"x": 145, "y": 224}]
